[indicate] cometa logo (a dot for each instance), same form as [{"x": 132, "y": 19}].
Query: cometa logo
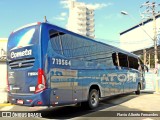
[{"x": 21, "y": 53}]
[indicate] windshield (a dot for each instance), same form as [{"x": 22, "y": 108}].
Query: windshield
[{"x": 24, "y": 37}]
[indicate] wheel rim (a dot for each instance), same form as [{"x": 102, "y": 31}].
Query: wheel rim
[{"x": 94, "y": 99}]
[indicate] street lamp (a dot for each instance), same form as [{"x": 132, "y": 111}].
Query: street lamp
[{"x": 125, "y": 13}]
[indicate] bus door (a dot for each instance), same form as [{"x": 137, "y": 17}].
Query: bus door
[
  {"x": 134, "y": 72},
  {"x": 122, "y": 78},
  {"x": 126, "y": 72},
  {"x": 119, "y": 72},
  {"x": 132, "y": 79},
  {"x": 123, "y": 72}
]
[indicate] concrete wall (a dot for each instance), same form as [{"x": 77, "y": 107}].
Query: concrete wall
[
  {"x": 3, "y": 85},
  {"x": 3, "y": 70}
]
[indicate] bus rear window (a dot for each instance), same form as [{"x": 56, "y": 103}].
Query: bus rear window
[{"x": 24, "y": 37}]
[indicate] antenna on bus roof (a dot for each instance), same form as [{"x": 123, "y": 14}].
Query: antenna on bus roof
[{"x": 45, "y": 19}]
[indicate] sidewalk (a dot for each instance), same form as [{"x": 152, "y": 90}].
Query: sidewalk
[{"x": 3, "y": 95}]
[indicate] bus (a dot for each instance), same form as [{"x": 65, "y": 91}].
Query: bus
[{"x": 51, "y": 66}]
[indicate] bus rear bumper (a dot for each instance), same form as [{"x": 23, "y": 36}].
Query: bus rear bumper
[{"x": 39, "y": 99}]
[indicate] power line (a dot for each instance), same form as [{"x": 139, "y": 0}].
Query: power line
[
  {"x": 121, "y": 42},
  {"x": 150, "y": 10}
]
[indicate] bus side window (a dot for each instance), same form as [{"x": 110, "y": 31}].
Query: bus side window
[
  {"x": 56, "y": 41},
  {"x": 115, "y": 59},
  {"x": 123, "y": 60},
  {"x": 133, "y": 63}
]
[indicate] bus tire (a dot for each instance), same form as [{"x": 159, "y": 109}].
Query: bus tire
[
  {"x": 93, "y": 99},
  {"x": 138, "y": 90}
]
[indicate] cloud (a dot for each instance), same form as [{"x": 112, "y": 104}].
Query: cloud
[
  {"x": 63, "y": 14},
  {"x": 61, "y": 17},
  {"x": 99, "y": 5},
  {"x": 66, "y": 3}
]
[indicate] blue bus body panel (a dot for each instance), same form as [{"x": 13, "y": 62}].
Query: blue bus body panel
[
  {"x": 35, "y": 98},
  {"x": 24, "y": 60},
  {"x": 22, "y": 77},
  {"x": 69, "y": 80},
  {"x": 71, "y": 83}
]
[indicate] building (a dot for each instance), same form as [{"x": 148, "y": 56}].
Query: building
[
  {"x": 3, "y": 70},
  {"x": 81, "y": 19},
  {"x": 139, "y": 40},
  {"x": 135, "y": 37}
]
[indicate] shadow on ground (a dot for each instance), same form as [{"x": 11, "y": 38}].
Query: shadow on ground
[{"x": 69, "y": 112}]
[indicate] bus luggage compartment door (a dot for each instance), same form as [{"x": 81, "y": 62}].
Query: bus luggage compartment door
[{"x": 62, "y": 88}]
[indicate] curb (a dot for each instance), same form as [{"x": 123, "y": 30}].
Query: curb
[
  {"x": 5, "y": 104},
  {"x": 158, "y": 93}
]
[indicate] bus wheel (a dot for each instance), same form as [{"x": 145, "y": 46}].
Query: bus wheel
[
  {"x": 93, "y": 99},
  {"x": 138, "y": 90}
]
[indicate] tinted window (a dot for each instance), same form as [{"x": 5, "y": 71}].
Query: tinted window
[
  {"x": 123, "y": 60},
  {"x": 133, "y": 62},
  {"x": 80, "y": 48},
  {"x": 24, "y": 37},
  {"x": 115, "y": 59}
]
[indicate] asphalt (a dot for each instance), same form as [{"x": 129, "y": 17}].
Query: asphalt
[{"x": 147, "y": 101}]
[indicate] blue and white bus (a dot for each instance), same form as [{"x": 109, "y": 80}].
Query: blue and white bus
[{"x": 51, "y": 66}]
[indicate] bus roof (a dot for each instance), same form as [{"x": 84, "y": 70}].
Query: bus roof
[
  {"x": 87, "y": 38},
  {"x": 78, "y": 35}
]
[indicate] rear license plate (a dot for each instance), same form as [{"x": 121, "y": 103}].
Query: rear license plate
[{"x": 20, "y": 101}]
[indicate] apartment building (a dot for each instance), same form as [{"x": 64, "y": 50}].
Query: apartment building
[{"x": 81, "y": 19}]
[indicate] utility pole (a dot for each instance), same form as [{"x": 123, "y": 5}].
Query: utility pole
[
  {"x": 144, "y": 56},
  {"x": 151, "y": 13},
  {"x": 149, "y": 60},
  {"x": 155, "y": 34}
]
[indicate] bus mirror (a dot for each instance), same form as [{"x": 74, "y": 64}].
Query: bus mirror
[{"x": 145, "y": 68}]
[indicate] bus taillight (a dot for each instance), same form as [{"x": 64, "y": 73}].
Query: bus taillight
[
  {"x": 38, "y": 23},
  {"x": 41, "y": 83}
]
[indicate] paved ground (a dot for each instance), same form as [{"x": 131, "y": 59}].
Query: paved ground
[
  {"x": 129, "y": 102},
  {"x": 3, "y": 95}
]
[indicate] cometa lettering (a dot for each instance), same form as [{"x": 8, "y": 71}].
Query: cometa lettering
[{"x": 26, "y": 52}]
